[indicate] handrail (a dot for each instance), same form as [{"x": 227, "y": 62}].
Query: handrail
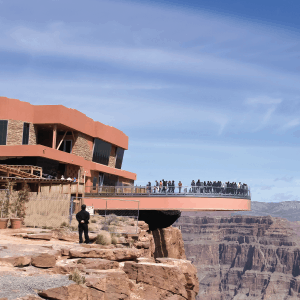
[{"x": 199, "y": 191}]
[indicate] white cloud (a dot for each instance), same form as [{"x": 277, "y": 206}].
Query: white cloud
[
  {"x": 290, "y": 124},
  {"x": 263, "y": 100}
]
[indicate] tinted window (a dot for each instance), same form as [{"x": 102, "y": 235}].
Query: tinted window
[
  {"x": 119, "y": 158},
  {"x": 94, "y": 182},
  {"x": 101, "y": 152},
  {"x": 110, "y": 180},
  {"x": 25, "y": 134},
  {"x": 3, "y": 132}
]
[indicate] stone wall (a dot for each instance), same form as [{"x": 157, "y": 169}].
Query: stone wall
[
  {"x": 14, "y": 132},
  {"x": 112, "y": 157},
  {"x": 83, "y": 146},
  {"x": 32, "y": 134}
]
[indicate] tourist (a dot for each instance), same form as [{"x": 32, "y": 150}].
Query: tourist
[
  {"x": 179, "y": 186},
  {"x": 164, "y": 185},
  {"x": 169, "y": 186},
  {"x": 160, "y": 186},
  {"x": 83, "y": 220},
  {"x": 173, "y": 186},
  {"x": 198, "y": 185},
  {"x": 193, "y": 188}
]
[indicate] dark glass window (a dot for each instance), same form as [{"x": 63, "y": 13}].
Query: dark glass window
[
  {"x": 110, "y": 180},
  {"x": 119, "y": 157},
  {"x": 3, "y": 132},
  {"x": 94, "y": 182},
  {"x": 101, "y": 152},
  {"x": 25, "y": 134},
  {"x": 66, "y": 146}
]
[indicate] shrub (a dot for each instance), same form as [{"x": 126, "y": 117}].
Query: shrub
[
  {"x": 76, "y": 277},
  {"x": 111, "y": 218},
  {"x": 114, "y": 240},
  {"x": 103, "y": 238},
  {"x": 63, "y": 224},
  {"x": 105, "y": 227},
  {"x": 93, "y": 221}
]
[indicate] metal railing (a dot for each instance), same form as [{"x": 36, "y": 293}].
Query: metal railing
[
  {"x": 199, "y": 191},
  {"x": 123, "y": 220}
]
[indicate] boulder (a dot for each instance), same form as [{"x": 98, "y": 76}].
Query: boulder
[
  {"x": 15, "y": 261},
  {"x": 41, "y": 236},
  {"x": 44, "y": 260},
  {"x": 73, "y": 236},
  {"x": 67, "y": 266},
  {"x": 110, "y": 254},
  {"x": 114, "y": 284},
  {"x": 72, "y": 292},
  {"x": 188, "y": 269},
  {"x": 65, "y": 251},
  {"x": 98, "y": 263},
  {"x": 162, "y": 276},
  {"x": 143, "y": 225}
]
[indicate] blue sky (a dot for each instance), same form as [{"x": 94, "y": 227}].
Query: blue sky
[{"x": 204, "y": 89}]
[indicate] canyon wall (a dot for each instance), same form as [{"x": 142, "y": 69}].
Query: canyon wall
[{"x": 243, "y": 257}]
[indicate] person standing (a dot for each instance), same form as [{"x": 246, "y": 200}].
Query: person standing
[
  {"x": 164, "y": 186},
  {"x": 156, "y": 186},
  {"x": 179, "y": 186},
  {"x": 160, "y": 186},
  {"x": 173, "y": 186},
  {"x": 198, "y": 185},
  {"x": 193, "y": 186},
  {"x": 169, "y": 186},
  {"x": 83, "y": 220}
]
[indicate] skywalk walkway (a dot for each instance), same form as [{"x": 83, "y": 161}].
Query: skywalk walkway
[{"x": 149, "y": 198}]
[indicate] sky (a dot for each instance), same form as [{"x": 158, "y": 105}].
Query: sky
[{"x": 204, "y": 89}]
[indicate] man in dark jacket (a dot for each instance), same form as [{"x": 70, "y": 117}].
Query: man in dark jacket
[{"x": 83, "y": 220}]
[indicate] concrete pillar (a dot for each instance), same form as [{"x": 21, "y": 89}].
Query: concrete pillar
[{"x": 54, "y": 136}]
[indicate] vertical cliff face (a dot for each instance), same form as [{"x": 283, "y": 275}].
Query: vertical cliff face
[
  {"x": 243, "y": 257},
  {"x": 168, "y": 243}
]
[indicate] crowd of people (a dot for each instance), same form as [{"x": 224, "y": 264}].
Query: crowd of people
[{"x": 218, "y": 187}]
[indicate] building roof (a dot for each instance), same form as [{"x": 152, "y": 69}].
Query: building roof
[{"x": 13, "y": 109}]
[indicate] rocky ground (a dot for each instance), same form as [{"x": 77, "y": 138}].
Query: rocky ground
[{"x": 50, "y": 264}]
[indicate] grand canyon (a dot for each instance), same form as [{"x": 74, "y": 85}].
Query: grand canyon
[{"x": 249, "y": 255}]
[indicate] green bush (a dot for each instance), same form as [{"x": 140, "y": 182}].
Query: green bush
[{"x": 93, "y": 221}]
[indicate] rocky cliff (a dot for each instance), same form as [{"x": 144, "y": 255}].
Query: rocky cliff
[
  {"x": 148, "y": 265},
  {"x": 243, "y": 257}
]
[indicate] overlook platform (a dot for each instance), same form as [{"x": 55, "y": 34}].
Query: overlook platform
[{"x": 144, "y": 198}]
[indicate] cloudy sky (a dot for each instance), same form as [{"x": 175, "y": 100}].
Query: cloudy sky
[{"x": 204, "y": 89}]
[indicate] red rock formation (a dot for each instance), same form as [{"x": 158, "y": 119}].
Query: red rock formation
[{"x": 239, "y": 257}]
